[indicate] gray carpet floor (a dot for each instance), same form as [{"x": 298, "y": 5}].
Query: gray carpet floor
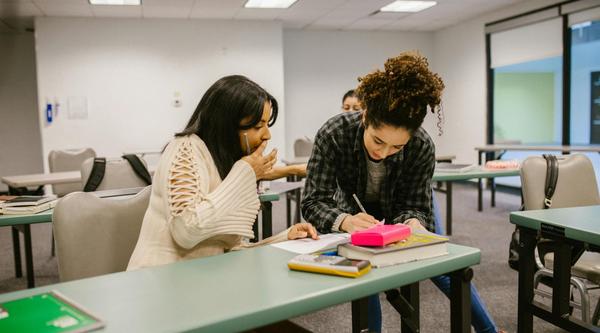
[{"x": 489, "y": 231}]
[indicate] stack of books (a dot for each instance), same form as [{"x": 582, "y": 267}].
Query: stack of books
[
  {"x": 418, "y": 246},
  {"x": 20, "y": 205}
]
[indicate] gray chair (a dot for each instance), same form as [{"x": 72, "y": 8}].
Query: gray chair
[
  {"x": 303, "y": 147},
  {"x": 96, "y": 236},
  {"x": 576, "y": 186},
  {"x": 118, "y": 174},
  {"x": 68, "y": 160}
]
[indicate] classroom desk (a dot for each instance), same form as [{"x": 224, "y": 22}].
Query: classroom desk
[
  {"x": 246, "y": 289},
  {"x": 39, "y": 179},
  {"x": 479, "y": 173},
  {"x": 502, "y": 148},
  {"x": 23, "y": 224},
  {"x": 573, "y": 229}
]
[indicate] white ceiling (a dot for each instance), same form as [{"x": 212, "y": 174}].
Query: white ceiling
[{"x": 304, "y": 14}]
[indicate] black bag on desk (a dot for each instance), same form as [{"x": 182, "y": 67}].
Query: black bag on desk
[{"x": 543, "y": 245}]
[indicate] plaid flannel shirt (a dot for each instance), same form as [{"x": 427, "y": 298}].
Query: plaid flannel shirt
[{"x": 337, "y": 169}]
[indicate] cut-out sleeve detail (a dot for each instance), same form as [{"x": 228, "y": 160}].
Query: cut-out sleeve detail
[
  {"x": 198, "y": 212},
  {"x": 183, "y": 180}
]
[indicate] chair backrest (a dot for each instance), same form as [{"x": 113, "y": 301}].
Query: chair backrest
[
  {"x": 302, "y": 147},
  {"x": 96, "y": 236},
  {"x": 118, "y": 174},
  {"x": 576, "y": 184},
  {"x": 68, "y": 160}
]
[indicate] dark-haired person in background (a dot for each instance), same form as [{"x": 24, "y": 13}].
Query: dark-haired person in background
[
  {"x": 350, "y": 102},
  {"x": 204, "y": 199},
  {"x": 387, "y": 159}
]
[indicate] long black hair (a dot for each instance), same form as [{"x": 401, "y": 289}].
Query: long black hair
[{"x": 219, "y": 114}]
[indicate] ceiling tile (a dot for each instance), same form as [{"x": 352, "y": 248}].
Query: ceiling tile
[
  {"x": 258, "y": 14},
  {"x": 330, "y": 24},
  {"x": 117, "y": 11},
  {"x": 19, "y": 9},
  {"x": 19, "y": 23},
  {"x": 368, "y": 24},
  {"x": 4, "y": 27},
  {"x": 170, "y": 9},
  {"x": 224, "y": 9},
  {"x": 78, "y": 8},
  {"x": 304, "y": 14},
  {"x": 317, "y": 4}
]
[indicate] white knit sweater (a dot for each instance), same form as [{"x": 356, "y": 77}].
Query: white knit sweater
[{"x": 193, "y": 212}]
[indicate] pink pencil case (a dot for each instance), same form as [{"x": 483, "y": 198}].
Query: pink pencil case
[{"x": 380, "y": 235}]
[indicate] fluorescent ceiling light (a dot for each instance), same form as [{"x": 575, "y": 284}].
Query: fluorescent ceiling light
[
  {"x": 116, "y": 2},
  {"x": 269, "y": 3},
  {"x": 408, "y": 6}
]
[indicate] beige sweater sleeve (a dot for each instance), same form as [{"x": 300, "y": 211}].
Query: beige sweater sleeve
[{"x": 196, "y": 214}]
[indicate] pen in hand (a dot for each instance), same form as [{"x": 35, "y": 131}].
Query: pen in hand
[{"x": 362, "y": 208}]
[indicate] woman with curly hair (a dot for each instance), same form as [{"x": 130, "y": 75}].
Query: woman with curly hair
[{"x": 386, "y": 158}]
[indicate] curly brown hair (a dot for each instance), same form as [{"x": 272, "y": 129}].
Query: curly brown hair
[{"x": 400, "y": 95}]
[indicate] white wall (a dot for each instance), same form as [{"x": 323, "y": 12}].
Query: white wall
[
  {"x": 320, "y": 66},
  {"x": 459, "y": 57},
  {"x": 20, "y": 143},
  {"x": 129, "y": 71}
]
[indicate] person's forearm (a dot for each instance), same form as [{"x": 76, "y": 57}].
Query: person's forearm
[{"x": 290, "y": 170}]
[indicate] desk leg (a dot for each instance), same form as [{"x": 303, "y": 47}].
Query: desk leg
[
  {"x": 493, "y": 190},
  {"x": 28, "y": 256},
  {"x": 360, "y": 321},
  {"x": 298, "y": 216},
  {"x": 16, "y": 240},
  {"x": 17, "y": 252},
  {"x": 562, "y": 277},
  {"x": 406, "y": 302},
  {"x": 288, "y": 210},
  {"x": 479, "y": 186},
  {"x": 448, "y": 208},
  {"x": 267, "y": 220},
  {"x": 460, "y": 301},
  {"x": 527, "y": 244},
  {"x": 410, "y": 321}
]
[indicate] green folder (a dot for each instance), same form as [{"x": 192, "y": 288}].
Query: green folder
[{"x": 47, "y": 312}]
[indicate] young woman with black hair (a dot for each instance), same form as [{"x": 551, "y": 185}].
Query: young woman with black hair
[
  {"x": 204, "y": 198},
  {"x": 387, "y": 159}
]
